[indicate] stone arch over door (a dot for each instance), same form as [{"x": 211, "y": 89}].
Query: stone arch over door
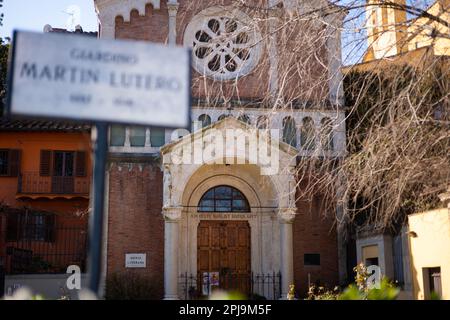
[
  {"x": 262, "y": 218},
  {"x": 212, "y": 176},
  {"x": 270, "y": 191}
]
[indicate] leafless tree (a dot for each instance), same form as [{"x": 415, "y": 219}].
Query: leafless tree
[{"x": 397, "y": 112}]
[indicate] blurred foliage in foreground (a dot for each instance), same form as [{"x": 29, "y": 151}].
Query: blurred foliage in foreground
[{"x": 361, "y": 290}]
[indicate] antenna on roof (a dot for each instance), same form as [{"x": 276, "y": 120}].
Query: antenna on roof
[{"x": 74, "y": 18}]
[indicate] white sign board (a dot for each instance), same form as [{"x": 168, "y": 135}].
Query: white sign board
[
  {"x": 135, "y": 260},
  {"x": 84, "y": 78}
]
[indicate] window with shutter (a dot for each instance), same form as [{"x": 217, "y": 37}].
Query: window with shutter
[
  {"x": 80, "y": 164},
  {"x": 9, "y": 162},
  {"x": 46, "y": 165},
  {"x": 4, "y": 162},
  {"x": 14, "y": 163}
]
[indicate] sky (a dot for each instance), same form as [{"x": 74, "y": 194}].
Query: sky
[{"x": 33, "y": 15}]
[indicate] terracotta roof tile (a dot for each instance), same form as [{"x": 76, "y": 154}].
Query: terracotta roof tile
[{"x": 42, "y": 125}]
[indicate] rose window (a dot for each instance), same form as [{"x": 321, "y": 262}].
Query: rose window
[{"x": 223, "y": 47}]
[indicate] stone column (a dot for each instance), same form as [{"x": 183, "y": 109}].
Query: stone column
[
  {"x": 172, "y": 7},
  {"x": 341, "y": 228},
  {"x": 286, "y": 218},
  {"x": 172, "y": 218},
  {"x": 272, "y": 49},
  {"x": 336, "y": 90}
]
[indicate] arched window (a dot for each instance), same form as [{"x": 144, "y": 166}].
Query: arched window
[
  {"x": 223, "y": 116},
  {"x": 223, "y": 199},
  {"x": 205, "y": 120},
  {"x": 326, "y": 134},
  {"x": 289, "y": 131},
  {"x": 244, "y": 118},
  {"x": 308, "y": 134},
  {"x": 262, "y": 122}
]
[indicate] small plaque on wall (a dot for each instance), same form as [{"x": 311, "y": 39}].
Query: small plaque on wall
[{"x": 135, "y": 260}]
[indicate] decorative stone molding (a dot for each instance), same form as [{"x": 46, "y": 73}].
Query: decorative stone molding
[
  {"x": 108, "y": 10},
  {"x": 172, "y": 217},
  {"x": 172, "y": 214},
  {"x": 336, "y": 116},
  {"x": 167, "y": 186},
  {"x": 226, "y": 43},
  {"x": 336, "y": 90},
  {"x": 287, "y": 215},
  {"x": 172, "y": 7},
  {"x": 273, "y": 24}
]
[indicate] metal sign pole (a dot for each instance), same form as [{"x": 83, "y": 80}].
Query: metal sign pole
[{"x": 96, "y": 217}]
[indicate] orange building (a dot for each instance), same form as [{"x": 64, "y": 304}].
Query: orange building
[{"x": 45, "y": 174}]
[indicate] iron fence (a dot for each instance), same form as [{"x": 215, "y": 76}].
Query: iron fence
[
  {"x": 2, "y": 280},
  {"x": 30, "y": 248},
  {"x": 255, "y": 286}
]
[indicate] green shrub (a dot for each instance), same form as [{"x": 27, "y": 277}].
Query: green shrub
[
  {"x": 362, "y": 290},
  {"x": 387, "y": 291}
]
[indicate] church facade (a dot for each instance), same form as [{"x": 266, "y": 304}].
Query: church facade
[{"x": 223, "y": 201}]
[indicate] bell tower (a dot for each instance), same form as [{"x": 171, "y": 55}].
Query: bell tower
[{"x": 386, "y": 29}]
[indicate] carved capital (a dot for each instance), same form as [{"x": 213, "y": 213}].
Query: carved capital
[
  {"x": 287, "y": 215},
  {"x": 172, "y": 214},
  {"x": 173, "y": 9}
]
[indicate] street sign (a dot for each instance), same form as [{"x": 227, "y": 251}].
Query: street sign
[
  {"x": 135, "y": 260},
  {"x": 76, "y": 77}
]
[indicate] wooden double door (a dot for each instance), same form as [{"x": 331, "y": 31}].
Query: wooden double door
[{"x": 223, "y": 256}]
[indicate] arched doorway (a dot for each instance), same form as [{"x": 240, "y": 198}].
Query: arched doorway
[
  {"x": 267, "y": 187},
  {"x": 224, "y": 246}
]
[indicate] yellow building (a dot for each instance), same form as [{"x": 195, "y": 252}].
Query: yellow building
[
  {"x": 418, "y": 259},
  {"x": 390, "y": 33},
  {"x": 429, "y": 243}
]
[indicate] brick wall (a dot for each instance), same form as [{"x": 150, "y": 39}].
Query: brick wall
[
  {"x": 154, "y": 26},
  {"x": 313, "y": 232},
  {"x": 135, "y": 223},
  {"x": 311, "y": 83}
]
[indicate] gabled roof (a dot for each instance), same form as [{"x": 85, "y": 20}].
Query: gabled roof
[{"x": 227, "y": 123}]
